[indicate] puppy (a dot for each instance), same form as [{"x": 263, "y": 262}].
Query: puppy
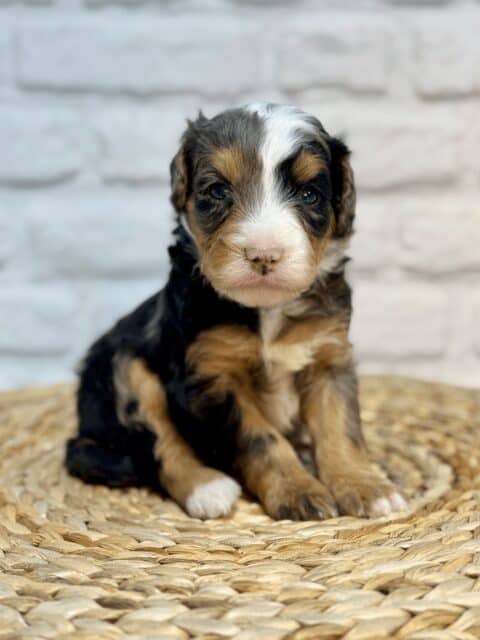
[{"x": 209, "y": 379}]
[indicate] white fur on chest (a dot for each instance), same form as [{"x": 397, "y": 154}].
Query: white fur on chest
[{"x": 292, "y": 357}]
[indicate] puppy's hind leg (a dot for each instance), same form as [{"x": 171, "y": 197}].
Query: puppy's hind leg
[
  {"x": 202, "y": 491},
  {"x": 93, "y": 463},
  {"x": 105, "y": 450}
]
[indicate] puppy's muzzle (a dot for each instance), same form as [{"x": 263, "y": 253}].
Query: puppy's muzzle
[{"x": 263, "y": 260}]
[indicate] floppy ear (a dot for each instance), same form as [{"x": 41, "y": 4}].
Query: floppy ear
[
  {"x": 180, "y": 167},
  {"x": 343, "y": 188},
  {"x": 179, "y": 180}
]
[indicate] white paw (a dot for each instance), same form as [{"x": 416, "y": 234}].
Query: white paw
[
  {"x": 386, "y": 506},
  {"x": 213, "y": 499}
]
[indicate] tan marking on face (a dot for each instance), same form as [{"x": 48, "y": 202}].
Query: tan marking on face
[
  {"x": 235, "y": 164},
  {"x": 222, "y": 252},
  {"x": 321, "y": 243},
  {"x": 218, "y": 250},
  {"x": 307, "y": 166}
]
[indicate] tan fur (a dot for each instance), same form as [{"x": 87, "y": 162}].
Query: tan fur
[
  {"x": 307, "y": 166},
  {"x": 276, "y": 476},
  {"x": 290, "y": 343},
  {"x": 123, "y": 391},
  {"x": 280, "y": 398},
  {"x": 340, "y": 453},
  {"x": 225, "y": 355},
  {"x": 234, "y": 164},
  {"x": 215, "y": 250},
  {"x": 302, "y": 342},
  {"x": 180, "y": 470}
]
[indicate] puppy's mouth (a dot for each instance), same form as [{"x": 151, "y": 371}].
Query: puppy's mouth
[
  {"x": 255, "y": 290},
  {"x": 259, "y": 281}
]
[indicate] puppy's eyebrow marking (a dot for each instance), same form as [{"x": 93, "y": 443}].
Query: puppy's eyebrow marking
[
  {"x": 234, "y": 163},
  {"x": 307, "y": 166}
]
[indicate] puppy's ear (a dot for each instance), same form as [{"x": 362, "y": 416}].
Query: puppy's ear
[
  {"x": 179, "y": 179},
  {"x": 180, "y": 167},
  {"x": 343, "y": 187}
]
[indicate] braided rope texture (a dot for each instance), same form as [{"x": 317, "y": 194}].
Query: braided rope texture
[{"x": 91, "y": 563}]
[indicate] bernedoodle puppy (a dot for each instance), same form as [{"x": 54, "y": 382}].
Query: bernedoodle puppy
[{"x": 209, "y": 379}]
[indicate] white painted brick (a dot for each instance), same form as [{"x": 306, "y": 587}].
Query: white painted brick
[
  {"x": 204, "y": 5},
  {"x": 39, "y": 145},
  {"x": 139, "y": 142},
  {"x": 441, "y": 235},
  {"x": 107, "y": 301},
  {"x": 97, "y": 233},
  {"x": 413, "y": 3},
  {"x": 36, "y": 319},
  {"x": 448, "y": 56},
  {"x": 108, "y": 91},
  {"x": 394, "y": 321},
  {"x": 375, "y": 242},
  {"x": 393, "y": 148},
  {"x": 347, "y": 51},
  {"x": 12, "y": 235},
  {"x": 476, "y": 313},
  {"x": 401, "y": 154},
  {"x": 185, "y": 54},
  {"x": 5, "y": 51},
  {"x": 26, "y": 2}
]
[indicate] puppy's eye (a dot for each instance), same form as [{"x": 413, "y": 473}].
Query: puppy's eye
[
  {"x": 218, "y": 191},
  {"x": 309, "y": 195}
]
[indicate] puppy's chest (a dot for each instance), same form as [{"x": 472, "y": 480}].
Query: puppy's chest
[
  {"x": 279, "y": 350},
  {"x": 281, "y": 362},
  {"x": 263, "y": 365}
]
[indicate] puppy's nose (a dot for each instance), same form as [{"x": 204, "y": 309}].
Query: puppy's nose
[{"x": 263, "y": 260}]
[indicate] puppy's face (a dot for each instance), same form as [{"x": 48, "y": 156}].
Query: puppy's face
[{"x": 268, "y": 197}]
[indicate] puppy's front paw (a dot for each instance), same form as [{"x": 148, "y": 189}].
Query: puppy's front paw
[
  {"x": 214, "y": 496},
  {"x": 303, "y": 499},
  {"x": 366, "y": 493}
]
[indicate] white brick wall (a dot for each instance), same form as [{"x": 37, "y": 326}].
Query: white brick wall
[{"x": 93, "y": 98}]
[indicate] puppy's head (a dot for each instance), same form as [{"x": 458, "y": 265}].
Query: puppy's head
[{"x": 268, "y": 197}]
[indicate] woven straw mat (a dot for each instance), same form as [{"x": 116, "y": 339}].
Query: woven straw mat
[{"x": 87, "y": 562}]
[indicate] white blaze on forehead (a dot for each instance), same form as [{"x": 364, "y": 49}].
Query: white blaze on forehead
[
  {"x": 273, "y": 223},
  {"x": 284, "y": 128}
]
